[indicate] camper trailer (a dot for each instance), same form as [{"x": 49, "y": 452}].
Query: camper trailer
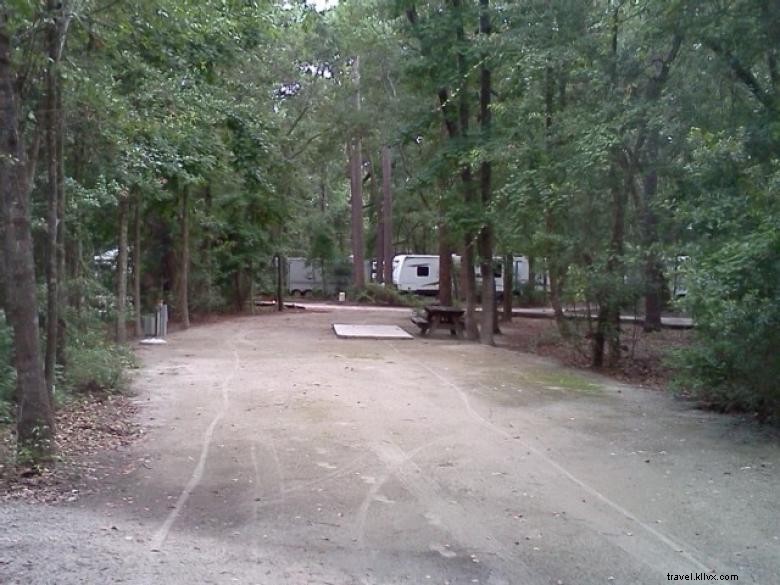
[
  {"x": 419, "y": 273},
  {"x": 303, "y": 278},
  {"x": 519, "y": 274},
  {"x": 416, "y": 273}
]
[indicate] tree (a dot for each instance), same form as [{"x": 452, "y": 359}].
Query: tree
[
  {"x": 485, "y": 237},
  {"x": 35, "y": 420}
]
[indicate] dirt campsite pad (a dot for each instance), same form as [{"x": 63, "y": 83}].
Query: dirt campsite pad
[{"x": 276, "y": 453}]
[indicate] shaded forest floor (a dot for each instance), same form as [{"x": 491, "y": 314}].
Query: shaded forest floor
[
  {"x": 88, "y": 428},
  {"x": 644, "y": 359}
]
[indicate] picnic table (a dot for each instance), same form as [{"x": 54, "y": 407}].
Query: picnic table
[{"x": 435, "y": 316}]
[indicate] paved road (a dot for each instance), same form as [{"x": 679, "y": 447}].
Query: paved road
[{"x": 276, "y": 454}]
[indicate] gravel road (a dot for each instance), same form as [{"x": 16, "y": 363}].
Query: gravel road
[{"x": 275, "y": 453}]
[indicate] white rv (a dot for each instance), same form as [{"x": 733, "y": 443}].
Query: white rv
[
  {"x": 420, "y": 273},
  {"x": 416, "y": 273},
  {"x": 519, "y": 273}
]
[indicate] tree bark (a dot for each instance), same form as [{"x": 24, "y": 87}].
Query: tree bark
[
  {"x": 469, "y": 195},
  {"x": 509, "y": 267},
  {"x": 184, "y": 276},
  {"x": 35, "y": 417},
  {"x": 387, "y": 213},
  {"x": 356, "y": 204},
  {"x": 649, "y": 222},
  {"x": 52, "y": 218},
  {"x": 3, "y": 283},
  {"x": 239, "y": 299},
  {"x": 62, "y": 297},
  {"x": 485, "y": 238},
  {"x": 137, "y": 266},
  {"x": 653, "y": 270},
  {"x": 379, "y": 239},
  {"x": 250, "y": 268},
  {"x": 121, "y": 271},
  {"x": 280, "y": 282},
  {"x": 356, "y": 185},
  {"x": 556, "y": 271},
  {"x": 468, "y": 284},
  {"x": 556, "y": 276},
  {"x": 608, "y": 321},
  {"x": 608, "y": 325},
  {"x": 445, "y": 266}
]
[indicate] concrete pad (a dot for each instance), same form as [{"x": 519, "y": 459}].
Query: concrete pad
[{"x": 347, "y": 331}]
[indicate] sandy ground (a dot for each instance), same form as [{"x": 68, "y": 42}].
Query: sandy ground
[{"x": 277, "y": 453}]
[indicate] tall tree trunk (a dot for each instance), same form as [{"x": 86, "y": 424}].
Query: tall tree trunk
[
  {"x": 485, "y": 239},
  {"x": 184, "y": 276},
  {"x": 654, "y": 279},
  {"x": 238, "y": 289},
  {"x": 356, "y": 184},
  {"x": 137, "y": 266},
  {"x": 379, "y": 240},
  {"x": 387, "y": 213},
  {"x": 280, "y": 265},
  {"x": 649, "y": 222},
  {"x": 250, "y": 268},
  {"x": 62, "y": 297},
  {"x": 35, "y": 417},
  {"x": 52, "y": 218},
  {"x": 208, "y": 245},
  {"x": 556, "y": 275},
  {"x": 445, "y": 265},
  {"x": 608, "y": 325},
  {"x": 121, "y": 271},
  {"x": 356, "y": 203},
  {"x": 3, "y": 283},
  {"x": 468, "y": 284},
  {"x": 380, "y": 244},
  {"x": 509, "y": 280},
  {"x": 556, "y": 270},
  {"x": 469, "y": 194}
]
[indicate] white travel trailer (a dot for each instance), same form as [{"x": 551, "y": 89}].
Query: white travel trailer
[
  {"x": 519, "y": 274},
  {"x": 416, "y": 273},
  {"x": 419, "y": 273}
]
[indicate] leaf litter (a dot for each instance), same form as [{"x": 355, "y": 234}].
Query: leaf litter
[{"x": 91, "y": 431}]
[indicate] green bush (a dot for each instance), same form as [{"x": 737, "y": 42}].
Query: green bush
[
  {"x": 734, "y": 297},
  {"x": 94, "y": 363},
  {"x": 375, "y": 294}
]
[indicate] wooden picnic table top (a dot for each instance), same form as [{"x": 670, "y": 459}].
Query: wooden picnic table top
[{"x": 443, "y": 310}]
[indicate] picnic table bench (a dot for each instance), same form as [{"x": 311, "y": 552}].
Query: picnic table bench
[{"x": 435, "y": 316}]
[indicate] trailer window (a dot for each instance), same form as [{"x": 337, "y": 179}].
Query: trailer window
[{"x": 423, "y": 271}]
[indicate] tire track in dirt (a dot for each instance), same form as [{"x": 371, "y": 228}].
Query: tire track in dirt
[
  {"x": 197, "y": 474},
  {"x": 668, "y": 542}
]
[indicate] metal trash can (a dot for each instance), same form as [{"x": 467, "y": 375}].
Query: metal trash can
[
  {"x": 149, "y": 323},
  {"x": 156, "y": 324}
]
